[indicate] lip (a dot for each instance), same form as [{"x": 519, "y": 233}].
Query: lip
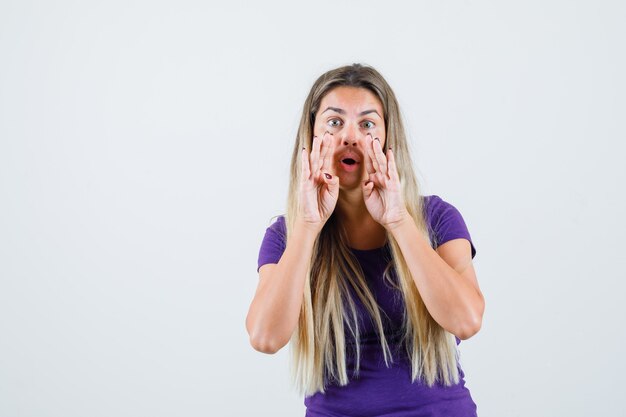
[
  {"x": 349, "y": 168},
  {"x": 351, "y": 155}
]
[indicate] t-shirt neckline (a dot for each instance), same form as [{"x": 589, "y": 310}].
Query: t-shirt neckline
[{"x": 370, "y": 250}]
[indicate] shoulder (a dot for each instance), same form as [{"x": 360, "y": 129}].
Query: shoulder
[
  {"x": 435, "y": 207},
  {"x": 276, "y": 232},
  {"x": 278, "y": 225},
  {"x": 445, "y": 221},
  {"x": 274, "y": 242},
  {"x": 431, "y": 201}
]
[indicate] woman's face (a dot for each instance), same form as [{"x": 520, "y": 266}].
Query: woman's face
[{"x": 350, "y": 114}]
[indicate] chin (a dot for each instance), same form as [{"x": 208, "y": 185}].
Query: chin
[
  {"x": 350, "y": 181},
  {"x": 349, "y": 186}
]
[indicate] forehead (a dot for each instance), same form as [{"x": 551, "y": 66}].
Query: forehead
[{"x": 351, "y": 99}]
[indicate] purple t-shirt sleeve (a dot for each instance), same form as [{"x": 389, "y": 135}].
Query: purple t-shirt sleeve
[
  {"x": 273, "y": 244},
  {"x": 446, "y": 222}
]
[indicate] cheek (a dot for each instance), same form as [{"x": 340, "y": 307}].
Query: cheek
[
  {"x": 319, "y": 129},
  {"x": 381, "y": 133}
]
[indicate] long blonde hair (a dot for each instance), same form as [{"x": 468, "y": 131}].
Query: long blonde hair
[{"x": 318, "y": 347}]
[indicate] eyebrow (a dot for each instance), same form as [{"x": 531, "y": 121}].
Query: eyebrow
[{"x": 342, "y": 111}]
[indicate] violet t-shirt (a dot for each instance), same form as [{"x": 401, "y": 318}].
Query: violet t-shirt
[{"x": 380, "y": 390}]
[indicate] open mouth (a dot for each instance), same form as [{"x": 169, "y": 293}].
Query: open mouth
[{"x": 349, "y": 164}]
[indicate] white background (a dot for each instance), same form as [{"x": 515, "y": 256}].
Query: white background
[{"x": 144, "y": 147}]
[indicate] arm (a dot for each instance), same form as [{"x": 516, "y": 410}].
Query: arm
[
  {"x": 445, "y": 279},
  {"x": 275, "y": 308}
]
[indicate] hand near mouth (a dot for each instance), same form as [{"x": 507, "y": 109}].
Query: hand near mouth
[
  {"x": 319, "y": 189},
  {"x": 382, "y": 192}
]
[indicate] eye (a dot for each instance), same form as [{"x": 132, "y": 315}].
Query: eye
[
  {"x": 368, "y": 124},
  {"x": 334, "y": 122}
]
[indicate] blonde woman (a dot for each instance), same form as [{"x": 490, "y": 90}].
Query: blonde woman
[{"x": 371, "y": 281}]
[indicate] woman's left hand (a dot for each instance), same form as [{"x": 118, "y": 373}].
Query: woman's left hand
[{"x": 382, "y": 192}]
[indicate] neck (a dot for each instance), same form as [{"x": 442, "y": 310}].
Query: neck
[
  {"x": 351, "y": 207},
  {"x": 363, "y": 231}
]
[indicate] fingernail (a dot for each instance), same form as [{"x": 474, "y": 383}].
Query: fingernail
[{"x": 328, "y": 176}]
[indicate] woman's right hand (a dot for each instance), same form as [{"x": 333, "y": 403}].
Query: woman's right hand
[{"x": 319, "y": 189}]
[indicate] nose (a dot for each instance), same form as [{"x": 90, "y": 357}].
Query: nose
[
  {"x": 349, "y": 142},
  {"x": 351, "y": 136}
]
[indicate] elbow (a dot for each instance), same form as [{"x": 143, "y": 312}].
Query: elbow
[
  {"x": 265, "y": 345},
  {"x": 474, "y": 323},
  {"x": 471, "y": 326},
  {"x": 262, "y": 341},
  {"x": 469, "y": 330}
]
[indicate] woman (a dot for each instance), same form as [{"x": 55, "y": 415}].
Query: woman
[{"x": 349, "y": 274}]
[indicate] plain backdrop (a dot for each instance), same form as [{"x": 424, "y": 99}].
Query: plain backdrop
[{"x": 145, "y": 146}]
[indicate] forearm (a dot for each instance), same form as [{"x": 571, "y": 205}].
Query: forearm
[
  {"x": 452, "y": 301},
  {"x": 275, "y": 309}
]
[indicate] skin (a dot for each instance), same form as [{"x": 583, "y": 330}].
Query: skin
[{"x": 369, "y": 203}]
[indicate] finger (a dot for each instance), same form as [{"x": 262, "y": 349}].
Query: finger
[
  {"x": 315, "y": 155},
  {"x": 372, "y": 156},
  {"x": 393, "y": 169},
  {"x": 304, "y": 162},
  {"x": 332, "y": 184},
  {"x": 329, "y": 162},
  {"x": 329, "y": 150},
  {"x": 369, "y": 167},
  {"x": 376, "y": 179},
  {"x": 380, "y": 157},
  {"x": 330, "y": 178},
  {"x": 368, "y": 187},
  {"x": 323, "y": 151}
]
